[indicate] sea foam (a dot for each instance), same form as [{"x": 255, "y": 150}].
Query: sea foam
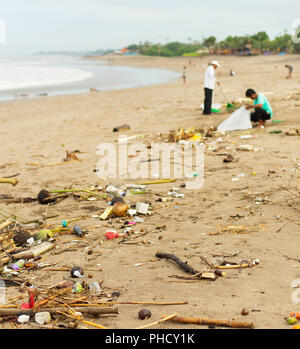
[{"x": 18, "y": 74}]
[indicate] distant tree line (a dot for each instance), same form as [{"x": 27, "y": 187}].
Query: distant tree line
[{"x": 259, "y": 43}]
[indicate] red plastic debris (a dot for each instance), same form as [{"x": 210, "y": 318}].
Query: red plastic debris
[
  {"x": 110, "y": 235},
  {"x": 30, "y": 304}
]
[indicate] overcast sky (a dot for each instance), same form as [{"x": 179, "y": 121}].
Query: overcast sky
[{"x": 43, "y": 25}]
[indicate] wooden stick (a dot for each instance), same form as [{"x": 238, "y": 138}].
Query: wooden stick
[
  {"x": 187, "y": 281},
  {"x": 7, "y": 319},
  {"x": 84, "y": 321},
  {"x": 57, "y": 310},
  {"x": 13, "y": 299},
  {"x": 238, "y": 266},
  {"x": 220, "y": 323},
  {"x": 87, "y": 269},
  {"x": 55, "y": 269},
  {"x": 183, "y": 265},
  {"x": 79, "y": 190},
  {"x": 11, "y": 181},
  {"x": 37, "y": 220},
  {"x": 45, "y": 301},
  {"x": 93, "y": 324},
  {"x": 85, "y": 305},
  {"x": 159, "y": 181},
  {"x": 207, "y": 262},
  {"x": 283, "y": 225},
  {"x": 11, "y": 176},
  {"x": 147, "y": 303},
  {"x": 6, "y": 224},
  {"x": 19, "y": 200},
  {"x": 158, "y": 322}
]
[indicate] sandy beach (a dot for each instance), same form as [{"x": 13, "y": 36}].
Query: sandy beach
[{"x": 35, "y": 135}]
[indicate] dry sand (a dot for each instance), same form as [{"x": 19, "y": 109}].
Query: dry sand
[{"x": 39, "y": 132}]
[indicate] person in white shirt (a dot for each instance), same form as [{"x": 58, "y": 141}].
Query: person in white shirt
[{"x": 209, "y": 85}]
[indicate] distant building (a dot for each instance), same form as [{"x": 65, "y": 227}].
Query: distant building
[
  {"x": 203, "y": 51},
  {"x": 126, "y": 52}
]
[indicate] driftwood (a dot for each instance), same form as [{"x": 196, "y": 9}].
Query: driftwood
[
  {"x": 58, "y": 310},
  {"x": 7, "y": 319},
  {"x": 220, "y": 323},
  {"x": 183, "y": 265},
  {"x": 11, "y": 200},
  {"x": 237, "y": 266},
  {"x": 148, "y": 303}
]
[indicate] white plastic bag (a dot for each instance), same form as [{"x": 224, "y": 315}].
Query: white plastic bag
[{"x": 239, "y": 120}]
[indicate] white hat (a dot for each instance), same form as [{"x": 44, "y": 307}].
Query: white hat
[{"x": 215, "y": 63}]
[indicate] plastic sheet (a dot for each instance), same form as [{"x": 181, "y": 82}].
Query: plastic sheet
[{"x": 239, "y": 120}]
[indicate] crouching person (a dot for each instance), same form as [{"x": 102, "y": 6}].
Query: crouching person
[{"x": 262, "y": 107}]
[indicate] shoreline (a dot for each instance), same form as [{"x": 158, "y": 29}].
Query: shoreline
[{"x": 81, "y": 86}]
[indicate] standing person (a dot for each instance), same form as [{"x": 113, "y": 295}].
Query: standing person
[
  {"x": 209, "y": 85},
  {"x": 262, "y": 107},
  {"x": 184, "y": 75},
  {"x": 290, "y": 68}
]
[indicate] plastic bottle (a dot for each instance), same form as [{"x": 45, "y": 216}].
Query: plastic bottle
[
  {"x": 77, "y": 288},
  {"x": 18, "y": 265}
]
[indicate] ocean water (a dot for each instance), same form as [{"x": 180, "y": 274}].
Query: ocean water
[
  {"x": 23, "y": 72},
  {"x": 36, "y": 75}
]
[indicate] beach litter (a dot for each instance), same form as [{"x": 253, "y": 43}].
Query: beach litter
[
  {"x": 211, "y": 322},
  {"x": 11, "y": 181},
  {"x": 239, "y": 120},
  {"x": 124, "y": 127}
]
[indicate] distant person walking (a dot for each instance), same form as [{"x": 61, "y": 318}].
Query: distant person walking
[
  {"x": 184, "y": 75},
  {"x": 209, "y": 85},
  {"x": 262, "y": 107},
  {"x": 290, "y": 68}
]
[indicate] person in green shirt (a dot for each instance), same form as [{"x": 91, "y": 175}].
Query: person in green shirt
[{"x": 262, "y": 107}]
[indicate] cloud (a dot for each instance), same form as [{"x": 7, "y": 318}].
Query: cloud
[
  {"x": 126, "y": 10},
  {"x": 84, "y": 24}
]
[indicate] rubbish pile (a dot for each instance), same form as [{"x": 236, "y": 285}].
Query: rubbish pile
[{"x": 192, "y": 134}]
